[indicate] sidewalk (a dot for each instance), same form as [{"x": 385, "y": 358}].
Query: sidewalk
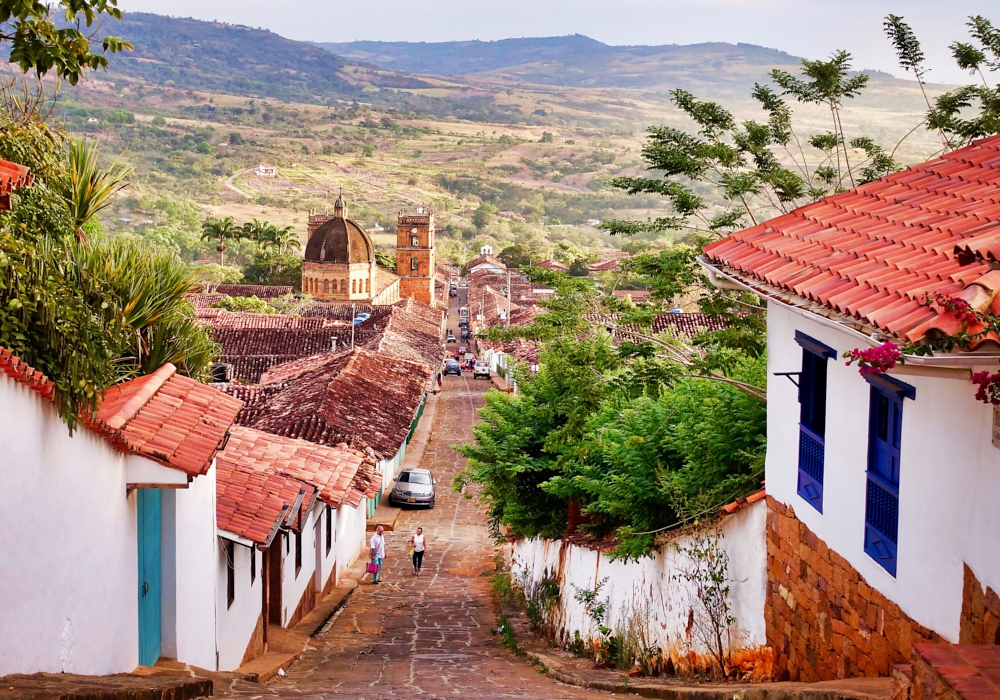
[
  {"x": 144, "y": 684},
  {"x": 386, "y": 515}
]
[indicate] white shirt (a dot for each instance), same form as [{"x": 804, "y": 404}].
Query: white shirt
[
  {"x": 378, "y": 544},
  {"x": 418, "y": 543}
]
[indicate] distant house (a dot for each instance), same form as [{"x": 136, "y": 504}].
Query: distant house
[
  {"x": 607, "y": 265},
  {"x": 882, "y": 525},
  {"x": 485, "y": 261},
  {"x": 264, "y": 170},
  {"x": 108, "y": 535},
  {"x": 291, "y": 519},
  {"x": 636, "y": 295},
  {"x": 511, "y": 215},
  {"x": 551, "y": 265},
  {"x": 593, "y": 222}
]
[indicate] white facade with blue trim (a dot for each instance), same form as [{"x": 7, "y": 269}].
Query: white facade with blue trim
[{"x": 910, "y": 477}]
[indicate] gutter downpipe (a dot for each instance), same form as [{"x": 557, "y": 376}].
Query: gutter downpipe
[{"x": 721, "y": 280}]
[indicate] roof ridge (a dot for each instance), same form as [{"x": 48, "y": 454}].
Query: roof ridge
[{"x": 154, "y": 382}]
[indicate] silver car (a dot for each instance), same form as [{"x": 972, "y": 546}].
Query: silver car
[{"x": 413, "y": 487}]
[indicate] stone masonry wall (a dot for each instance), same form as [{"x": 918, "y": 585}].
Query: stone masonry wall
[
  {"x": 822, "y": 619},
  {"x": 980, "y": 621}
]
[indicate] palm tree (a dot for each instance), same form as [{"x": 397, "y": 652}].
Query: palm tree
[
  {"x": 89, "y": 188},
  {"x": 150, "y": 289},
  {"x": 221, "y": 230},
  {"x": 284, "y": 239}
]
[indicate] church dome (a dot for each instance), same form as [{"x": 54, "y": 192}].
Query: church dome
[{"x": 340, "y": 240}]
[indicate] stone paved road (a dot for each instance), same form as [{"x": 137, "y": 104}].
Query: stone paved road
[{"x": 428, "y": 636}]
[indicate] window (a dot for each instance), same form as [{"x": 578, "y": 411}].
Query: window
[
  {"x": 298, "y": 553},
  {"x": 329, "y": 529},
  {"x": 812, "y": 418},
  {"x": 885, "y": 424},
  {"x": 368, "y": 285},
  {"x": 343, "y": 286},
  {"x": 253, "y": 565},
  {"x": 415, "y": 241},
  {"x": 230, "y": 574},
  {"x": 414, "y": 264},
  {"x": 354, "y": 286},
  {"x": 326, "y": 286}
]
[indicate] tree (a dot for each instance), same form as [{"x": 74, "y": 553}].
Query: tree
[
  {"x": 268, "y": 236},
  {"x": 547, "y": 137},
  {"x": 220, "y": 231},
  {"x": 517, "y": 255},
  {"x": 89, "y": 188},
  {"x": 37, "y": 44},
  {"x": 150, "y": 289},
  {"x": 483, "y": 215}
]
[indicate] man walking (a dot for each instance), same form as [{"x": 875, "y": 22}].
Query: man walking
[{"x": 378, "y": 551}]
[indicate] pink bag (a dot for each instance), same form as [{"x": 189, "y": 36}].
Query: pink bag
[{"x": 372, "y": 568}]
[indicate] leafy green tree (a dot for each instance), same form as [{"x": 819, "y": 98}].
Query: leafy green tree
[
  {"x": 53, "y": 314},
  {"x": 386, "y": 260},
  {"x": 252, "y": 304},
  {"x": 483, "y": 215},
  {"x": 517, "y": 255},
  {"x": 547, "y": 137},
  {"x": 89, "y": 188},
  {"x": 272, "y": 267},
  {"x": 213, "y": 273},
  {"x": 221, "y": 231},
  {"x": 37, "y": 44}
]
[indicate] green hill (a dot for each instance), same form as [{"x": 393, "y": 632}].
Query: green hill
[{"x": 574, "y": 61}]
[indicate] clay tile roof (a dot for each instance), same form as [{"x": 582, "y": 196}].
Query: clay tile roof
[
  {"x": 383, "y": 279},
  {"x": 551, "y": 265},
  {"x": 875, "y": 252},
  {"x": 256, "y": 463},
  {"x": 742, "y": 502},
  {"x": 261, "y": 291},
  {"x": 170, "y": 418},
  {"x": 162, "y": 416},
  {"x": 355, "y": 397}
]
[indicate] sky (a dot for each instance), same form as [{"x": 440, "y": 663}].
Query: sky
[{"x": 808, "y": 28}]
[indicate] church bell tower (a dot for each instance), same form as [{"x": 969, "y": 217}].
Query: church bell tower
[{"x": 415, "y": 256}]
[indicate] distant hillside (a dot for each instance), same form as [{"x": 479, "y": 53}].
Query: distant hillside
[
  {"x": 196, "y": 55},
  {"x": 574, "y": 60}
]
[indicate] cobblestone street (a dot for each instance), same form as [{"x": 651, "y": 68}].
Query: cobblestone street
[{"x": 428, "y": 636}]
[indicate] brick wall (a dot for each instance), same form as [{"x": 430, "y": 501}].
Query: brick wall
[
  {"x": 823, "y": 620},
  {"x": 980, "y": 621}
]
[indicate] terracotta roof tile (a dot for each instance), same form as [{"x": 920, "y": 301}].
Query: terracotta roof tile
[{"x": 876, "y": 251}]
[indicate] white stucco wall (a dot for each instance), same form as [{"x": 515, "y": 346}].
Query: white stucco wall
[
  {"x": 236, "y": 622},
  {"x": 949, "y": 475},
  {"x": 68, "y": 577},
  {"x": 351, "y": 535},
  {"x": 294, "y": 585},
  {"x": 653, "y": 580}
]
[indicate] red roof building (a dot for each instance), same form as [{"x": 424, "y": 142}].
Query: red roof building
[
  {"x": 12, "y": 178},
  {"x": 870, "y": 256},
  {"x": 551, "y": 265}
]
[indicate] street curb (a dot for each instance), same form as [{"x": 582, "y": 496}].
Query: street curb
[{"x": 763, "y": 691}]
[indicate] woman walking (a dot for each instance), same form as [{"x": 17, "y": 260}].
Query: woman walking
[
  {"x": 377, "y": 551},
  {"x": 418, "y": 544}
]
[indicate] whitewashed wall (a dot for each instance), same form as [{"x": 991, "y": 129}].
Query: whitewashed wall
[
  {"x": 294, "y": 585},
  {"x": 351, "y": 526},
  {"x": 188, "y": 578},
  {"x": 630, "y": 585},
  {"x": 237, "y": 622},
  {"x": 68, "y": 577},
  {"x": 949, "y": 475}
]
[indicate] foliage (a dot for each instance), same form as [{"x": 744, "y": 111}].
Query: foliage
[
  {"x": 251, "y": 305},
  {"x": 53, "y": 314},
  {"x": 90, "y": 188},
  {"x": 877, "y": 360},
  {"x": 643, "y": 433},
  {"x": 739, "y": 161},
  {"x": 386, "y": 260},
  {"x": 221, "y": 231},
  {"x": 280, "y": 239},
  {"x": 517, "y": 255},
  {"x": 989, "y": 387},
  {"x": 37, "y": 44},
  {"x": 149, "y": 290},
  {"x": 483, "y": 214},
  {"x": 213, "y": 273},
  {"x": 272, "y": 267},
  {"x": 705, "y": 565}
]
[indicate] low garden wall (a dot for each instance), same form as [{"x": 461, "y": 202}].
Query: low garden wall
[{"x": 654, "y": 602}]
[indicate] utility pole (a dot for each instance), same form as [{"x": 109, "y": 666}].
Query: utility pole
[
  {"x": 508, "y": 297},
  {"x": 354, "y": 315}
]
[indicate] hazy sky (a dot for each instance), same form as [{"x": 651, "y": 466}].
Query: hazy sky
[{"x": 810, "y": 28}]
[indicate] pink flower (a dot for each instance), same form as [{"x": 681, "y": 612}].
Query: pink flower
[
  {"x": 989, "y": 387},
  {"x": 875, "y": 360}
]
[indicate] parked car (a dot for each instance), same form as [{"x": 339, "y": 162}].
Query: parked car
[
  {"x": 453, "y": 292},
  {"x": 451, "y": 338},
  {"x": 451, "y": 367},
  {"x": 465, "y": 284},
  {"x": 413, "y": 486},
  {"x": 461, "y": 351},
  {"x": 482, "y": 369}
]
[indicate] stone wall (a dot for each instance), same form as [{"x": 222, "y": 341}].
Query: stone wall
[
  {"x": 980, "y": 621},
  {"x": 822, "y": 618}
]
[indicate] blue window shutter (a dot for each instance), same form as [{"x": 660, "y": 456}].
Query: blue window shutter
[
  {"x": 885, "y": 423},
  {"x": 812, "y": 419}
]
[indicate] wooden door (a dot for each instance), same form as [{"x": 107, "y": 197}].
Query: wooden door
[
  {"x": 274, "y": 556},
  {"x": 148, "y": 521}
]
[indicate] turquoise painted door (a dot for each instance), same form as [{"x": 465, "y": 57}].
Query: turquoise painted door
[{"x": 148, "y": 502}]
